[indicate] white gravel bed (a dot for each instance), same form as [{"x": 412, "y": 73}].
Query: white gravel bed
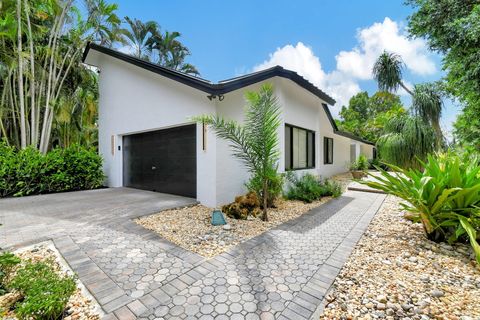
[
  {"x": 394, "y": 272},
  {"x": 191, "y": 227},
  {"x": 81, "y": 306}
]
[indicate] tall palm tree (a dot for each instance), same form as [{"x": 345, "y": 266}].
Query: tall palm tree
[
  {"x": 388, "y": 70},
  {"x": 427, "y": 103},
  {"x": 138, "y": 36},
  {"x": 105, "y": 24},
  {"x": 411, "y": 136},
  {"x": 171, "y": 52}
]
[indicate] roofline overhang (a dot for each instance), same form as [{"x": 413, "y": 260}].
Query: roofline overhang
[
  {"x": 226, "y": 86},
  {"x": 206, "y": 86}
]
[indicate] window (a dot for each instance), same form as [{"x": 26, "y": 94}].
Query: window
[
  {"x": 299, "y": 148},
  {"x": 327, "y": 150}
]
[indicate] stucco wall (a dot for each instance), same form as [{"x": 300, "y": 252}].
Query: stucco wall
[
  {"x": 366, "y": 150},
  {"x": 134, "y": 100},
  {"x": 303, "y": 109}
]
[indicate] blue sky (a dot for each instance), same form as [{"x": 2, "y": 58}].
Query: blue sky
[{"x": 330, "y": 42}]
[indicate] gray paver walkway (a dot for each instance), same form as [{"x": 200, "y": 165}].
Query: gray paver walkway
[{"x": 281, "y": 274}]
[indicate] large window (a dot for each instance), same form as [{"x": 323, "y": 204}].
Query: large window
[
  {"x": 327, "y": 150},
  {"x": 299, "y": 148}
]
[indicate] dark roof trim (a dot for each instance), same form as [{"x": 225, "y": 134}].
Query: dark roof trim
[
  {"x": 195, "y": 82},
  {"x": 340, "y": 132},
  {"x": 206, "y": 86},
  {"x": 227, "y": 85}
]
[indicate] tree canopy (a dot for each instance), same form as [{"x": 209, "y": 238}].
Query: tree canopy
[
  {"x": 452, "y": 28},
  {"x": 47, "y": 96},
  {"x": 367, "y": 116}
]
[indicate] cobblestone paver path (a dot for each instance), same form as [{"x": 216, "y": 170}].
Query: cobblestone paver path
[{"x": 281, "y": 274}]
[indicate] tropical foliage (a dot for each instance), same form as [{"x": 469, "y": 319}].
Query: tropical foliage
[
  {"x": 255, "y": 142},
  {"x": 47, "y": 96},
  {"x": 308, "y": 188},
  {"x": 37, "y": 290},
  {"x": 452, "y": 28},
  {"x": 28, "y": 171},
  {"x": 361, "y": 163},
  {"x": 409, "y": 138},
  {"x": 366, "y": 116},
  {"x": 444, "y": 196},
  {"x": 147, "y": 42}
]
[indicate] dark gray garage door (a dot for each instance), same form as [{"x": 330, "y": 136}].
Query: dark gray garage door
[{"x": 162, "y": 161}]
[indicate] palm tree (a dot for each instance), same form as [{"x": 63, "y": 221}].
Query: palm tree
[
  {"x": 256, "y": 142},
  {"x": 427, "y": 104},
  {"x": 407, "y": 140},
  {"x": 104, "y": 22},
  {"x": 387, "y": 71},
  {"x": 411, "y": 136},
  {"x": 139, "y": 35},
  {"x": 171, "y": 52}
]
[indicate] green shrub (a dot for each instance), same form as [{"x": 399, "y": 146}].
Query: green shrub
[
  {"x": 7, "y": 262},
  {"x": 8, "y": 164},
  {"x": 45, "y": 292},
  {"x": 309, "y": 188},
  {"x": 331, "y": 188},
  {"x": 444, "y": 197},
  {"x": 27, "y": 171},
  {"x": 361, "y": 164},
  {"x": 243, "y": 206},
  {"x": 275, "y": 187}
]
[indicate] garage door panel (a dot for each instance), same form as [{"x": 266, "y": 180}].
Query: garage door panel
[{"x": 163, "y": 161}]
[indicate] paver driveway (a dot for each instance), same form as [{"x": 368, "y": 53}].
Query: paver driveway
[{"x": 281, "y": 274}]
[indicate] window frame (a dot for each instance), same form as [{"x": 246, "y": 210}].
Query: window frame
[
  {"x": 326, "y": 150},
  {"x": 307, "y": 132}
]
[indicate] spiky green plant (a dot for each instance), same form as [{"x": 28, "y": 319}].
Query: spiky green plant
[
  {"x": 255, "y": 142},
  {"x": 444, "y": 196}
]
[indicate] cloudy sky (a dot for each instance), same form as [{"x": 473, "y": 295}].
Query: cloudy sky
[{"x": 332, "y": 43}]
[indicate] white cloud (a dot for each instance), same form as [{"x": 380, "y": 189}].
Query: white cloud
[
  {"x": 302, "y": 60},
  {"x": 356, "y": 64},
  {"x": 384, "y": 36}
]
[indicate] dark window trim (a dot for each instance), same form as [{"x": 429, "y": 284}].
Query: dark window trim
[
  {"x": 306, "y": 142},
  {"x": 325, "y": 150}
]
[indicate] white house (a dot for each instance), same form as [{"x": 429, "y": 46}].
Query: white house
[{"x": 148, "y": 141}]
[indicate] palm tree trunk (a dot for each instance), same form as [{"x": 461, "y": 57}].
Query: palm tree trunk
[
  {"x": 33, "y": 119},
  {"x": 405, "y": 88},
  {"x": 265, "y": 199},
  {"x": 23, "y": 134}
]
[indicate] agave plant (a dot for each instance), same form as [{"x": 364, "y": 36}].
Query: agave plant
[{"x": 444, "y": 197}]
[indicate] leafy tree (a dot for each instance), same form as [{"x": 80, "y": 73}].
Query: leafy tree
[
  {"x": 256, "y": 142},
  {"x": 452, "y": 28},
  {"x": 47, "y": 96},
  {"x": 366, "y": 116},
  {"x": 41, "y": 49}
]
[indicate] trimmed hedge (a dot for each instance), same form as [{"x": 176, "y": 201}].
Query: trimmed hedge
[{"x": 27, "y": 172}]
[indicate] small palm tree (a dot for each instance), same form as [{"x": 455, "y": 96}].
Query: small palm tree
[{"x": 256, "y": 142}]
